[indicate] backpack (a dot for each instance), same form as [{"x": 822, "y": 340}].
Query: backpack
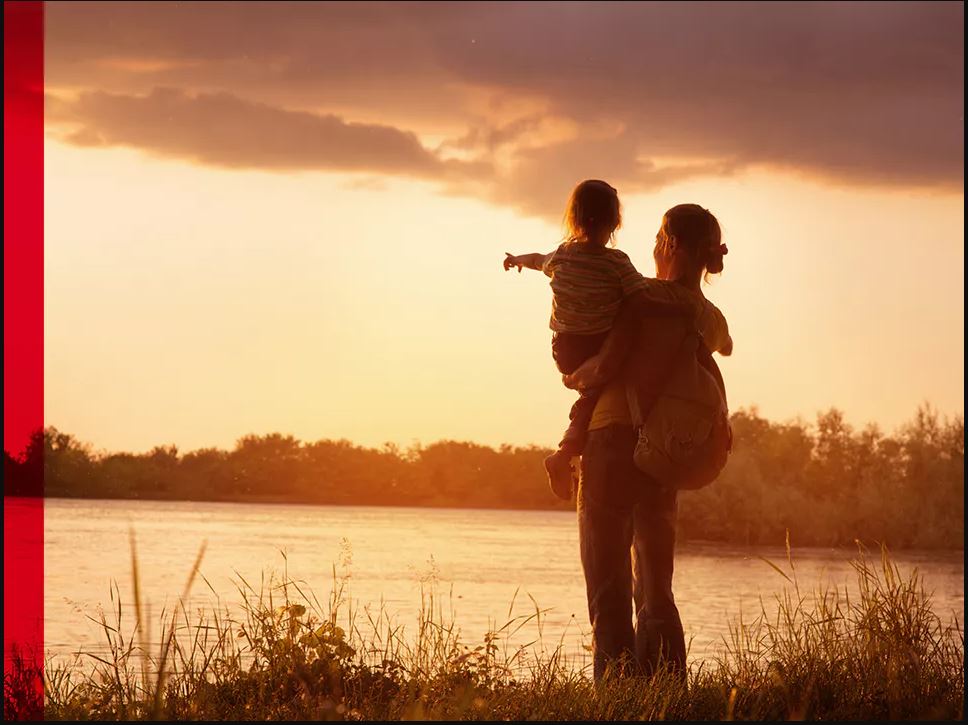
[{"x": 686, "y": 437}]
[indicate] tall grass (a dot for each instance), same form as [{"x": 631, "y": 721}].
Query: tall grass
[{"x": 882, "y": 654}]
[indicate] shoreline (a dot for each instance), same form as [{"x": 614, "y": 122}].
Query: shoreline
[{"x": 698, "y": 541}]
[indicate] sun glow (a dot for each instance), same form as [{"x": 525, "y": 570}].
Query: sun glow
[{"x": 198, "y": 305}]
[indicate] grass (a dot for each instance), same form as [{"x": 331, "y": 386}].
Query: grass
[{"x": 883, "y": 654}]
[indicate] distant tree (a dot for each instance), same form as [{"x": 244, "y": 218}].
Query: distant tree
[{"x": 827, "y": 484}]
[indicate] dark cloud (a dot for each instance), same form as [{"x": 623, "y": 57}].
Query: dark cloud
[
  {"x": 867, "y": 93},
  {"x": 223, "y": 130}
]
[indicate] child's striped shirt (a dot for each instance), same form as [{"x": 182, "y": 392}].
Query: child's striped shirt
[{"x": 588, "y": 283}]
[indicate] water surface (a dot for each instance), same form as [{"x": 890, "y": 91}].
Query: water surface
[{"x": 478, "y": 561}]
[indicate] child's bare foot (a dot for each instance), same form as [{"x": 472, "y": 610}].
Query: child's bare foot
[{"x": 558, "y": 467}]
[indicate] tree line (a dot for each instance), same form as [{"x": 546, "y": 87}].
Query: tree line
[{"x": 826, "y": 483}]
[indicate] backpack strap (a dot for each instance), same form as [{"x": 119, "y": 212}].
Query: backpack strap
[
  {"x": 705, "y": 358},
  {"x": 685, "y": 350}
]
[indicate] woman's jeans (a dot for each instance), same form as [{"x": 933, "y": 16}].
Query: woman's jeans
[{"x": 627, "y": 531}]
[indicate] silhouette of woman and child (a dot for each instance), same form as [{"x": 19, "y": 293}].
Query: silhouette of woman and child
[{"x": 614, "y": 330}]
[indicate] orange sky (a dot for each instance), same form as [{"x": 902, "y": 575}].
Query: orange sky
[{"x": 292, "y": 218}]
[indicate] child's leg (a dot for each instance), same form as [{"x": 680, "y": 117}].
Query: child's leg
[
  {"x": 558, "y": 464},
  {"x": 580, "y": 416},
  {"x": 569, "y": 352},
  {"x": 570, "y": 349}
]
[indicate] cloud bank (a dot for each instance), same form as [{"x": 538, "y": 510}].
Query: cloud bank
[{"x": 515, "y": 102}]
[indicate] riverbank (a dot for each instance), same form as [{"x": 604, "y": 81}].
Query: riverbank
[
  {"x": 826, "y": 484},
  {"x": 882, "y": 655}
]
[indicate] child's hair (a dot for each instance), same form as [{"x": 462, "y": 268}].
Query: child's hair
[
  {"x": 698, "y": 231},
  {"x": 593, "y": 213}
]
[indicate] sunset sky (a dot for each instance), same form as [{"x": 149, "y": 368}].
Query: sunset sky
[{"x": 275, "y": 217}]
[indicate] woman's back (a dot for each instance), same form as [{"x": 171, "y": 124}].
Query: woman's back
[{"x": 654, "y": 343}]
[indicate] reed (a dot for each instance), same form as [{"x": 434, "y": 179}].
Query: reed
[{"x": 282, "y": 654}]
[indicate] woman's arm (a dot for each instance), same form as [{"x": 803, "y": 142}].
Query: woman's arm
[{"x": 605, "y": 365}]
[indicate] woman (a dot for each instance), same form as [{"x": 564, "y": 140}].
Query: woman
[{"x": 626, "y": 520}]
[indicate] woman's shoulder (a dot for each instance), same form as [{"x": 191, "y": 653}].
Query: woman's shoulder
[
  {"x": 714, "y": 328},
  {"x": 710, "y": 307}
]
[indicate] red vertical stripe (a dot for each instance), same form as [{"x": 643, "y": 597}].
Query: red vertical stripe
[
  {"x": 23, "y": 221},
  {"x": 23, "y": 333}
]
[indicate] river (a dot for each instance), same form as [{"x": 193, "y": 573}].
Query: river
[{"x": 478, "y": 562}]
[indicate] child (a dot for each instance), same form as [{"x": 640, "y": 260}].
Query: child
[{"x": 589, "y": 282}]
